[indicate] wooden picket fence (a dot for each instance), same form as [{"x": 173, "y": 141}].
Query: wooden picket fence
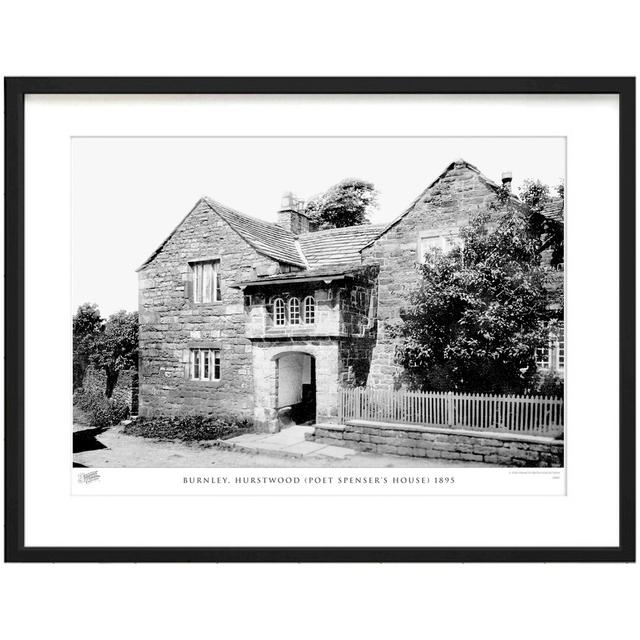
[{"x": 539, "y": 415}]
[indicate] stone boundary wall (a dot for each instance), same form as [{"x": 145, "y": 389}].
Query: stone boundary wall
[{"x": 510, "y": 450}]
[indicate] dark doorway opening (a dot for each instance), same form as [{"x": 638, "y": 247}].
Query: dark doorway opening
[{"x": 296, "y": 397}]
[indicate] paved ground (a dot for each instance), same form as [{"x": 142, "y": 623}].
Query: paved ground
[
  {"x": 289, "y": 442},
  {"x": 112, "y": 448}
]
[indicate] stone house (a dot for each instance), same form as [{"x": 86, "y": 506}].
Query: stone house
[{"x": 249, "y": 317}]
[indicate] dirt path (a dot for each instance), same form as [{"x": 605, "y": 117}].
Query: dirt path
[{"x": 112, "y": 448}]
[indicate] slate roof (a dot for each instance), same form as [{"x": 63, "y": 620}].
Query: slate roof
[
  {"x": 265, "y": 237},
  {"x": 337, "y": 246},
  {"x": 554, "y": 209}
]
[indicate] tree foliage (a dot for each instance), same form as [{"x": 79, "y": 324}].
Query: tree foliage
[
  {"x": 116, "y": 347},
  {"x": 345, "y": 204},
  {"x": 87, "y": 324},
  {"x": 110, "y": 345},
  {"x": 480, "y": 312}
]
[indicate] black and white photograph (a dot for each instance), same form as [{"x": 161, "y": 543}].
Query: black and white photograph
[
  {"x": 361, "y": 302},
  {"x": 365, "y": 316}
]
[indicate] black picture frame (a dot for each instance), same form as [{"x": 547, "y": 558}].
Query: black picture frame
[{"x": 15, "y": 91}]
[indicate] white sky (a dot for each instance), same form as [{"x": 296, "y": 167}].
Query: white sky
[{"x": 129, "y": 193}]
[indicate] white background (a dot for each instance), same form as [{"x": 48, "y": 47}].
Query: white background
[
  {"x": 54, "y": 517},
  {"x": 330, "y": 38}
]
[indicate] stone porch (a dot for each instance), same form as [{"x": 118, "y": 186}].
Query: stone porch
[{"x": 281, "y": 369}]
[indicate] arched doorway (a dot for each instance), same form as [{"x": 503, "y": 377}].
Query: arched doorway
[
  {"x": 323, "y": 379},
  {"x": 295, "y": 388}
]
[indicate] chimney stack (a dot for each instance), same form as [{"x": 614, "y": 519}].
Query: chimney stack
[
  {"x": 507, "y": 177},
  {"x": 289, "y": 202},
  {"x": 291, "y": 215}
]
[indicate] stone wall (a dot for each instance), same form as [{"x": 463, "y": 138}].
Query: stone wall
[
  {"x": 125, "y": 390},
  {"x": 171, "y": 323},
  {"x": 443, "y": 208},
  {"x": 358, "y": 327},
  {"x": 510, "y": 450},
  {"x": 355, "y": 360},
  {"x": 357, "y": 296}
]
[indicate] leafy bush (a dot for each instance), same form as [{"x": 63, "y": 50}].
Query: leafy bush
[
  {"x": 548, "y": 383},
  {"x": 188, "y": 428},
  {"x": 100, "y": 410}
]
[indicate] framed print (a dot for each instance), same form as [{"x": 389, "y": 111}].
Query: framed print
[{"x": 320, "y": 319}]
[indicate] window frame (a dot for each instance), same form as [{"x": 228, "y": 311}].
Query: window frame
[
  {"x": 554, "y": 359},
  {"x": 559, "y": 347},
  {"x": 543, "y": 361},
  {"x": 197, "y": 268},
  {"x": 294, "y": 314},
  {"x": 448, "y": 241},
  {"x": 211, "y": 365},
  {"x": 306, "y": 310},
  {"x": 276, "y": 315}
]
